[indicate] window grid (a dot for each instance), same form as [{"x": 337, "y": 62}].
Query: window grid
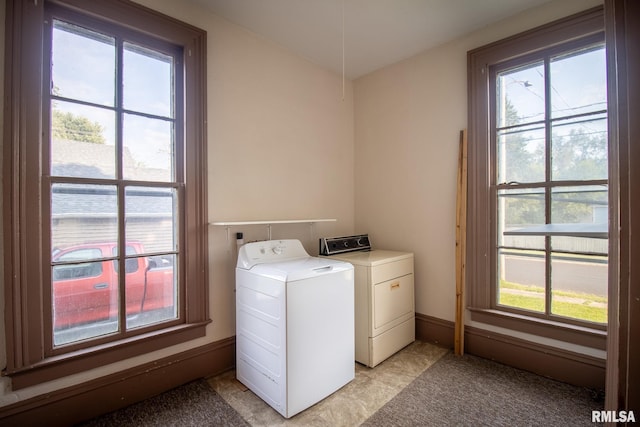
[
  {"x": 547, "y": 186},
  {"x": 122, "y": 187}
]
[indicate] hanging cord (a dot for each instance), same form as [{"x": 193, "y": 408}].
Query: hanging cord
[{"x": 343, "y": 83}]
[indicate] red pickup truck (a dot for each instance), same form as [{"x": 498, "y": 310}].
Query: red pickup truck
[{"x": 87, "y": 292}]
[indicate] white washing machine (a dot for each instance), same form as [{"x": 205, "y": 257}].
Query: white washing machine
[{"x": 294, "y": 324}]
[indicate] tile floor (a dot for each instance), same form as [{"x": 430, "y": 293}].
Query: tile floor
[{"x": 349, "y": 406}]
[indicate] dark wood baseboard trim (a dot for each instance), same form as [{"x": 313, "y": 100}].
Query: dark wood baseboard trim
[
  {"x": 105, "y": 394},
  {"x": 551, "y": 362},
  {"x": 435, "y": 330}
]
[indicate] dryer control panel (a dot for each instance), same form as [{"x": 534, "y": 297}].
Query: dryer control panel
[{"x": 338, "y": 245}]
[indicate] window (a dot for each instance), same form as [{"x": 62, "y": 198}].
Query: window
[
  {"x": 76, "y": 270},
  {"x": 110, "y": 197},
  {"x": 114, "y": 146},
  {"x": 131, "y": 264},
  {"x": 550, "y": 144},
  {"x": 538, "y": 161}
]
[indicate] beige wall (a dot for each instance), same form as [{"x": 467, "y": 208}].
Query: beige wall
[
  {"x": 282, "y": 144},
  {"x": 276, "y": 125},
  {"x": 408, "y": 117}
]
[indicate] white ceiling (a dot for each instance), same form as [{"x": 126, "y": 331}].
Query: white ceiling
[{"x": 376, "y": 32}]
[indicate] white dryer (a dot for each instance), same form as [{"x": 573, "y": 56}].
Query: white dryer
[{"x": 294, "y": 324}]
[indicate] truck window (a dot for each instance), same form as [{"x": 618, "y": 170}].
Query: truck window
[
  {"x": 79, "y": 270},
  {"x": 130, "y": 264}
]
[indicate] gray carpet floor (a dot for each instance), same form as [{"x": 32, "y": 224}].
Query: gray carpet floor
[
  {"x": 455, "y": 391},
  {"x": 471, "y": 391},
  {"x": 192, "y": 405}
]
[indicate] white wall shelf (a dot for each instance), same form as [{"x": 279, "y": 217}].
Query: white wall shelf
[
  {"x": 229, "y": 224},
  {"x": 280, "y": 221}
]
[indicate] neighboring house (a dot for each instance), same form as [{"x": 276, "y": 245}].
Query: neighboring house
[{"x": 89, "y": 211}]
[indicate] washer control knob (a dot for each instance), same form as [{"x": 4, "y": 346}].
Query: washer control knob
[{"x": 277, "y": 250}]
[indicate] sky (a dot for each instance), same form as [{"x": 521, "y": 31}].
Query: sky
[
  {"x": 84, "y": 69},
  {"x": 578, "y": 85}
]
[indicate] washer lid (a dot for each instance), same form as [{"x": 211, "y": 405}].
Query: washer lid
[{"x": 300, "y": 268}]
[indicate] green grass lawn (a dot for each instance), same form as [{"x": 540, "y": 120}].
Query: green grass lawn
[{"x": 564, "y": 304}]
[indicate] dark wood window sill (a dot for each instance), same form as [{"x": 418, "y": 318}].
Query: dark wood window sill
[
  {"x": 580, "y": 335},
  {"x": 55, "y": 367}
]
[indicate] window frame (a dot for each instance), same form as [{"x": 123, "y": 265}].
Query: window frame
[
  {"x": 28, "y": 360},
  {"x": 548, "y": 183},
  {"x": 121, "y": 37},
  {"x": 481, "y": 226}
]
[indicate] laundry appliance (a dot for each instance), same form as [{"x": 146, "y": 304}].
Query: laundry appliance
[
  {"x": 294, "y": 324},
  {"x": 384, "y": 296}
]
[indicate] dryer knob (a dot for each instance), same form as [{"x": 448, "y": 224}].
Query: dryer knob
[{"x": 277, "y": 250}]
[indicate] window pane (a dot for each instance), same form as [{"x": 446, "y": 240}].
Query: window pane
[
  {"x": 584, "y": 204},
  {"x": 85, "y": 294},
  {"x": 151, "y": 291},
  {"x": 520, "y": 96},
  {"x": 521, "y": 279},
  {"x": 82, "y": 213},
  {"x": 580, "y": 244},
  {"x": 521, "y": 154},
  {"x": 150, "y": 218},
  {"x": 82, "y": 141},
  {"x": 578, "y": 82},
  {"x": 83, "y": 64},
  {"x": 147, "y": 81},
  {"x": 151, "y": 228},
  {"x": 520, "y": 208},
  {"x": 579, "y": 285},
  {"x": 580, "y": 149},
  {"x": 148, "y": 149}
]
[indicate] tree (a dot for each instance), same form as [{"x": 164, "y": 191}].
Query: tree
[
  {"x": 523, "y": 147},
  {"x": 580, "y": 154},
  {"x": 66, "y": 125}
]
